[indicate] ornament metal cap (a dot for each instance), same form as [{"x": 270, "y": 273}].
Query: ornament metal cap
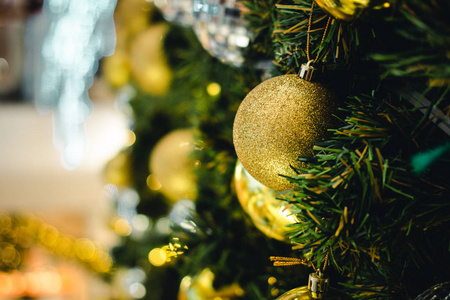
[
  {"x": 318, "y": 284},
  {"x": 307, "y": 70}
]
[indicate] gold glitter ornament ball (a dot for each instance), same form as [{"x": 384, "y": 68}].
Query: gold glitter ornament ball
[{"x": 278, "y": 121}]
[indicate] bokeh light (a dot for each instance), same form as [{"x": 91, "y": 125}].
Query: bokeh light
[
  {"x": 157, "y": 257},
  {"x": 213, "y": 89},
  {"x": 131, "y": 138},
  {"x": 137, "y": 290},
  {"x": 153, "y": 183},
  {"x": 121, "y": 227},
  {"x": 85, "y": 249}
]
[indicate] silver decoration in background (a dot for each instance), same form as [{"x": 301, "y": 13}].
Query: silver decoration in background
[
  {"x": 126, "y": 201},
  {"x": 181, "y": 214},
  {"x": 221, "y": 29},
  {"x": 130, "y": 282},
  {"x": 79, "y": 33},
  {"x": 176, "y": 11}
]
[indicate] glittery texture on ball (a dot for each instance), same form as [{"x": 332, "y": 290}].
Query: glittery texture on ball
[{"x": 278, "y": 121}]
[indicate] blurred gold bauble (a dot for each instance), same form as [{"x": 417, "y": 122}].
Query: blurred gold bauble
[
  {"x": 148, "y": 62},
  {"x": 350, "y": 10},
  {"x": 172, "y": 167},
  {"x": 201, "y": 287},
  {"x": 133, "y": 15},
  {"x": 118, "y": 170},
  {"x": 154, "y": 79},
  {"x": 148, "y": 45},
  {"x": 278, "y": 121},
  {"x": 268, "y": 214},
  {"x": 116, "y": 68}
]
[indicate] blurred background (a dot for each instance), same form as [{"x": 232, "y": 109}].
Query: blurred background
[
  {"x": 60, "y": 124},
  {"x": 82, "y": 213}
]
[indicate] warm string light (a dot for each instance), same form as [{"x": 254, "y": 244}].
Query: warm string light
[
  {"x": 17, "y": 234},
  {"x": 213, "y": 89},
  {"x": 46, "y": 282},
  {"x": 166, "y": 254}
]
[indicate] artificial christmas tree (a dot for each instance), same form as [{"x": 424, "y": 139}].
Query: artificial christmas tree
[{"x": 360, "y": 200}]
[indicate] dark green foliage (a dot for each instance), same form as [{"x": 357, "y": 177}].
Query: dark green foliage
[
  {"x": 361, "y": 203},
  {"x": 340, "y": 40},
  {"x": 422, "y": 29},
  {"x": 160, "y": 283},
  {"x": 261, "y": 16}
]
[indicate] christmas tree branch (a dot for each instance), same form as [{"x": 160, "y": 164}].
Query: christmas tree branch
[{"x": 358, "y": 198}]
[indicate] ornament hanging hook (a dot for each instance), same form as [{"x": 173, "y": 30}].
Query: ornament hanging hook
[
  {"x": 318, "y": 285},
  {"x": 306, "y": 71}
]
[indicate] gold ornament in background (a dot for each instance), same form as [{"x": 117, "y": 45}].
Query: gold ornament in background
[
  {"x": 139, "y": 54},
  {"x": 117, "y": 171},
  {"x": 268, "y": 214},
  {"x": 172, "y": 167},
  {"x": 318, "y": 288},
  {"x": 349, "y": 10},
  {"x": 278, "y": 121},
  {"x": 148, "y": 62},
  {"x": 201, "y": 287},
  {"x": 131, "y": 18},
  {"x": 117, "y": 69}
]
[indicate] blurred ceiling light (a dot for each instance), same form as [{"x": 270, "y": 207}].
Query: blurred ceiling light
[{"x": 79, "y": 34}]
